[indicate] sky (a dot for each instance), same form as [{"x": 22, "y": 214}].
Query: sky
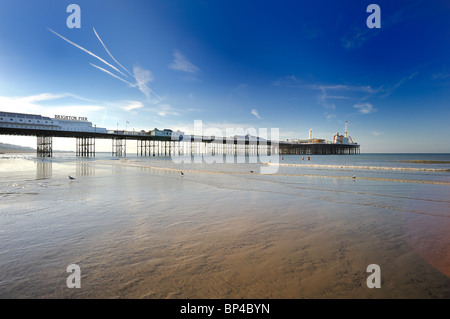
[{"x": 291, "y": 65}]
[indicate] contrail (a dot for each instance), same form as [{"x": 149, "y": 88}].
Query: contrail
[
  {"x": 98, "y": 37},
  {"x": 140, "y": 82},
  {"x": 112, "y": 74},
  {"x": 88, "y": 52}
]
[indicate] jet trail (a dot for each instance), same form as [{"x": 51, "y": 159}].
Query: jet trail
[
  {"x": 112, "y": 74},
  {"x": 98, "y": 37},
  {"x": 87, "y": 51}
]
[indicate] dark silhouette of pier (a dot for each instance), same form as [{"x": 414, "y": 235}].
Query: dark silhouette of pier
[{"x": 150, "y": 145}]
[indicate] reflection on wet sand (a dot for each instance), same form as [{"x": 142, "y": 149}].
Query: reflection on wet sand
[
  {"x": 85, "y": 168},
  {"x": 43, "y": 169}
]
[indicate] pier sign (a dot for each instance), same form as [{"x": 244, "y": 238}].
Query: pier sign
[{"x": 70, "y": 118}]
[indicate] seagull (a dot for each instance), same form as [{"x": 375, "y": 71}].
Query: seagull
[
  {"x": 181, "y": 173},
  {"x": 354, "y": 177},
  {"x": 70, "y": 177}
]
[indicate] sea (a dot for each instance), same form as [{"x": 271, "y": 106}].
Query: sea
[{"x": 292, "y": 227}]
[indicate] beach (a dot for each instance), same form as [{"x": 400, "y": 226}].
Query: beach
[{"x": 138, "y": 229}]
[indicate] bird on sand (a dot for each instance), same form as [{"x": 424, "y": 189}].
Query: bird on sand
[
  {"x": 70, "y": 177},
  {"x": 251, "y": 171}
]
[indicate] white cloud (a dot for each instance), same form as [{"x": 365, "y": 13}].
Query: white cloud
[
  {"x": 143, "y": 77},
  {"x": 40, "y": 97},
  {"x": 164, "y": 110},
  {"x": 440, "y": 76},
  {"x": 288, "y": 81},
  {"x": 292, "y": 81},
  {"x": 133, "y": 105},
  {"x": 323, "y": 99},
  {"x": 389, "y": 91},
  {"x": 77, "y": 97},
  {"x": 330, "y": 93},
  {"x": 30, "y": 104},
  {"x": 342, "y": 89},
  {"x": 365, "y": 108},
  {"x": 180, "y": 63},
  {"x": 255, "y": 113},
  {"x": 358, "y": 39},
  {"x": 345, "y": 87}
]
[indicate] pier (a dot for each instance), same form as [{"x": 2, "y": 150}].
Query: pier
[
  {"x": 318, "y": 149},
  {"x": 167, "y": 143}
]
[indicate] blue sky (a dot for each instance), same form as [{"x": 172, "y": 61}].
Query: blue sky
[{"x": 292, "y": 65}]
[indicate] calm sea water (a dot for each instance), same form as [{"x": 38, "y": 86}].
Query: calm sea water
[{"x": 138, "y": 229}]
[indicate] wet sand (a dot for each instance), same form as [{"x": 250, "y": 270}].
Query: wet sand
[
  {"x": 223, "y": 236},
  {"x": 291, "y": 253}
]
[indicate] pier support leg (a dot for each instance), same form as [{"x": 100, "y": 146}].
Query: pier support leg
[
  {"x": 85, "y": 147},
  {"x": 119, "y": 147},
  {"x": 44, "y": 146},
  {"x": 143, "y": 148}
]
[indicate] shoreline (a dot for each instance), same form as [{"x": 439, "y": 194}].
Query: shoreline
[{"x": 16, "y": 151}]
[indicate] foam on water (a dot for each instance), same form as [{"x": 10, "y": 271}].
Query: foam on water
[{"x": 386, "y": 168}]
